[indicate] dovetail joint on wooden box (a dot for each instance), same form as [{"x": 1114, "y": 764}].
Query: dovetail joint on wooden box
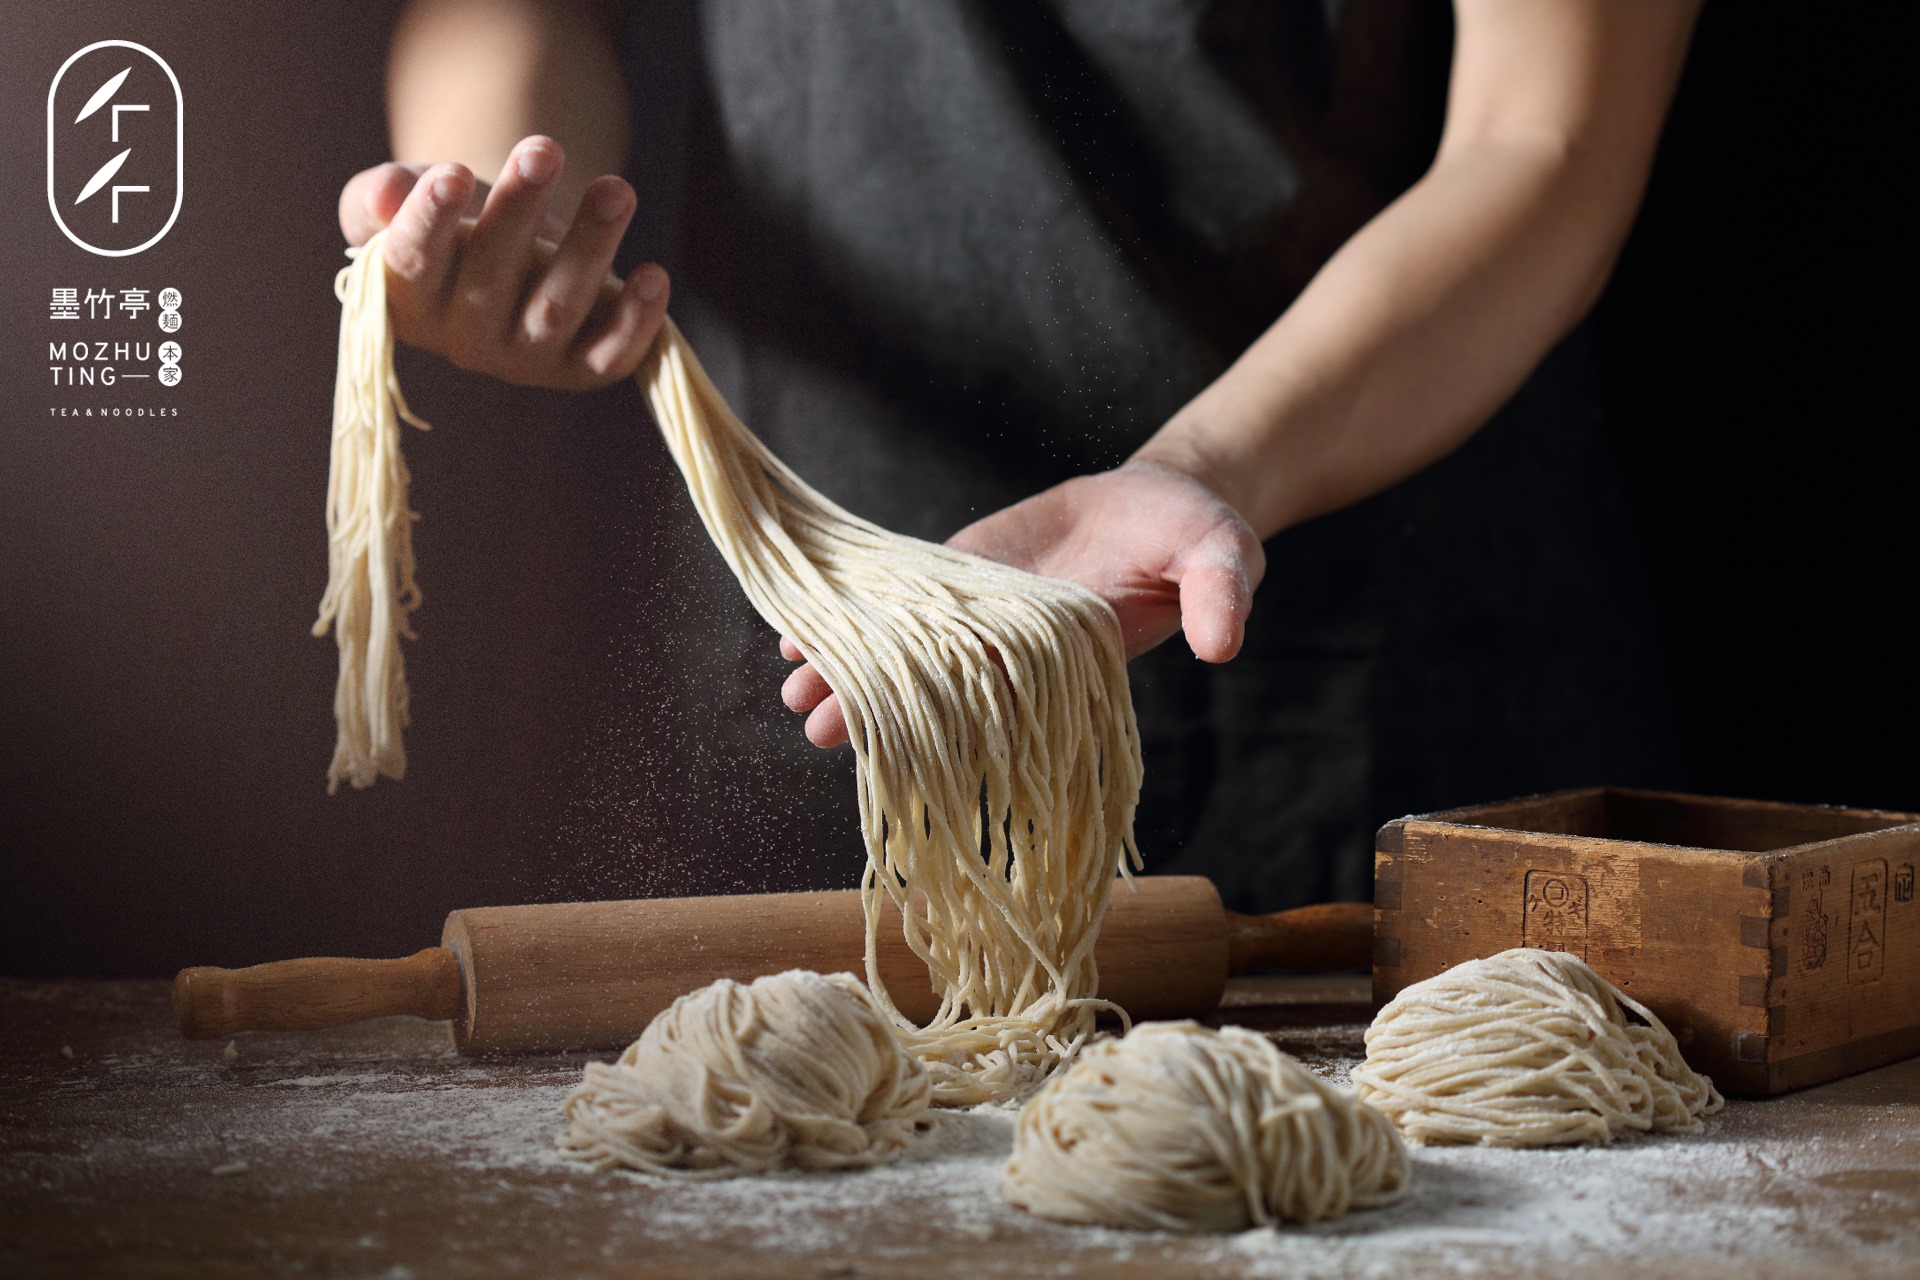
[{"x": 1386, "y": 895}]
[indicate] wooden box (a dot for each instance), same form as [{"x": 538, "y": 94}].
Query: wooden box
[{"x": 1780, "y": 942}]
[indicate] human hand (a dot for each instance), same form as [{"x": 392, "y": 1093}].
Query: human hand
[
  {"x": 1167, "y": 552},
  {"x": 467, "y": 278}
]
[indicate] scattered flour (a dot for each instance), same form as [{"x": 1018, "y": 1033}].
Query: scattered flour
[{"x": 1822, "y": 1182}]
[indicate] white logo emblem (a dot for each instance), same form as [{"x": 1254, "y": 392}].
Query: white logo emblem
[{"x": 116, "y": 165}]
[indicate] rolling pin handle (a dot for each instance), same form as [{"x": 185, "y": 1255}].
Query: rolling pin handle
[
  {"x": 306, "y": 995},
  {"x": 1326, "y": 938}
]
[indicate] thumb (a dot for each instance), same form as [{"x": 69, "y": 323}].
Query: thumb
[{"x": 1216, "y": 594}]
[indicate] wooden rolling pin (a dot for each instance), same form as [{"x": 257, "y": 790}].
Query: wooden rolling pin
[{"x": 591, "y": 975}]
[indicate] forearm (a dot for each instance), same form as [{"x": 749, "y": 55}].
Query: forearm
[
  {"x": 1409, "y": 338},
  {"x": 466, "y": 79},
  {"x": 1432, "y": 315}
]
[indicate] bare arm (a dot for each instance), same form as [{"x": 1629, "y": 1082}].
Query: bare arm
[
  {"x": 467, "y": 79},
  {"x": 1432, "y": 315},
  {"x": 1410, "y": 337},
  {"x": 497, "y": 87}
]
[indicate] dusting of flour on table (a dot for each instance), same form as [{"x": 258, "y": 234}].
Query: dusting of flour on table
[{"x": 387, "y": 1115}]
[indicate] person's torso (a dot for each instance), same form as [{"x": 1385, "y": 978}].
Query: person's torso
[{"x": 941, "y": 254}]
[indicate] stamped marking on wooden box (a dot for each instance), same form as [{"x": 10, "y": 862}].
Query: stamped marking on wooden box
[
  {"x": 1741, "y": 922},
  {"x": 1867, "y": 922},
  {"x": 1555, "y": 917},
  {"x": 1813, "y": 917}
]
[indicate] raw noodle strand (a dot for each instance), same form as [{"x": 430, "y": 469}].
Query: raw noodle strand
[
  {"x": 997, "y": 759},
  {"x": 370, "y": 580},
  {"x": 1527, "y": 1048}
]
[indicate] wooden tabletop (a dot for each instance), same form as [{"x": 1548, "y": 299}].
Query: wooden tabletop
[{"x": 375, "y": 1151}]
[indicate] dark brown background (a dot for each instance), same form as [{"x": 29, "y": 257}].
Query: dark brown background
[
  {"x": 168, "y": 718},
  {"x": 165, "y": 717}
]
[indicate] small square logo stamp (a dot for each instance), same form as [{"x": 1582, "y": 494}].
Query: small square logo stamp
[{"x": 1556, "y": 913}]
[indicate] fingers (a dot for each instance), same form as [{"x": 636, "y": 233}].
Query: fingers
[
  {"x": 467, "y": 279},
  {"x": 1214, "y": 600},
  {"x": 371, "y": 198},
  {"x": 570, "y": 286},
  {"x": 497, "y": 259},
  {"x": 616, "y": 351},
  {"x": 420, "y": 245},
  {"x": 501, "y": 248},
  {"x": 826, "y": 727},
  {"x": 1216, "y": 594},
  {"x": 805, "y": 689}
]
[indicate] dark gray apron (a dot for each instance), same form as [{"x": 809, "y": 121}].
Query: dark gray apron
[{"x": 941, "y": 255}]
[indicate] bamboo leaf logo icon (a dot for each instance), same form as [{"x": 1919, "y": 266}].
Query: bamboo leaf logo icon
[
  {"x": 139, "y": 201},
  {"x": 100, "y": 96},
  {"x": 104, "y": 173}
]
